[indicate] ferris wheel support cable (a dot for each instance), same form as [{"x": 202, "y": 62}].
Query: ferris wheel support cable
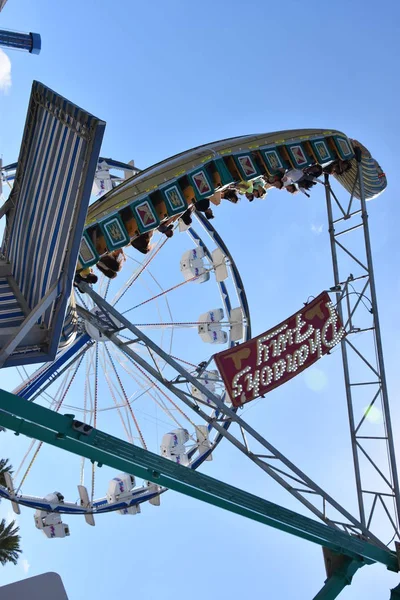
[
  {"x": 136, "y": 276},
  {"x": 229, "y": 414},
  {"x": 161, "y": 288},
  {"x": 128, "y": 433},
  {"x": 57, "y": 408},
  {"x": 96, "y": 376},
  {"x": 107, "y": 289},
  {"x": 127, "y": 403},
  {"x": 88, "y": 396},
  {"x": 144, "y": 387},
  {"x": 160, "y": 403},
  {"x": 85, "y": 401},
  {"x": 168, "y": 398},
  {"x": 59, "y": 373},
  {"x": 184, "y": 361},
  {"x": 24, "y": 458},
  {"x": 171, "y": 289}
]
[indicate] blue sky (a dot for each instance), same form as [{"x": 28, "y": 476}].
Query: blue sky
[{"x": 169, "y": 76}]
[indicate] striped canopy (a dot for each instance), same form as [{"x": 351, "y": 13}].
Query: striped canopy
[{"x": 45, "y": 219}]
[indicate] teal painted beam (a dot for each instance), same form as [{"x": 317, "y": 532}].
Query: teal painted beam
[
  {"x": 64, "y": 432},
  {"x": 395, "y": 593},
  {"x": 341, "y": 578}
]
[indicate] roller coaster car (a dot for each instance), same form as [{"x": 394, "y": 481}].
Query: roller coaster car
[{"x": 165, "y": 191}]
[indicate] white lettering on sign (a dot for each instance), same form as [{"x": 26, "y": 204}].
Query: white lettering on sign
[
  {"x": 277, "y": 343},
  {"x": 236, "y": 386}
]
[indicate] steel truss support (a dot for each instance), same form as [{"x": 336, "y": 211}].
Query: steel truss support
[
  {"x": 371, "y": 434},
  {"x": 339, "y": 576},
  {"x": 395, "y": 593},
  {"x": 269, "y": 459},
  {"x": 64, "y": 432}
]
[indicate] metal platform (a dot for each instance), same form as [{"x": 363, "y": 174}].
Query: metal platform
[{"x": 45, "y": 215}]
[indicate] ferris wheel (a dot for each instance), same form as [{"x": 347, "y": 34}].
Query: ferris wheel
[{"x": 187, "y": 295}]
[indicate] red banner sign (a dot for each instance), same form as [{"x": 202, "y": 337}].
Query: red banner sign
[{"x": 258, "y": 366}]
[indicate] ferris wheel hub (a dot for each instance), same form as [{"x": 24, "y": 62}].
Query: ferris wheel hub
[{"x": 94, "y": 332}]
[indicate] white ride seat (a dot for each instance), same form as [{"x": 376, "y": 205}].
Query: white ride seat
[
  {"x": 192, "y": 265},
  {"x": 120, "y": 490},
  {"x": 203, "y": 440},
  {"x": 211, "y": 331},
  {"x": 51, "y": 523},
  {"x": 208, "y": 379},
  {"x": 173, "y": 446}
]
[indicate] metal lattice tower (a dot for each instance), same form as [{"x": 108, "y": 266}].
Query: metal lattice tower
[{"x": 363, "y": 364}]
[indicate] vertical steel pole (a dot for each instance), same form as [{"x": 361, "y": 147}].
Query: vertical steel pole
[{"x": 345, "y": 360}]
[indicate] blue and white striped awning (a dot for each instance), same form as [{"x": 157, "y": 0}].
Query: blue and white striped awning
[{"x": 48, "y": 205}]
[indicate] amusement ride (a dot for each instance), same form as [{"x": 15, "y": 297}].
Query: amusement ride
[{"x": 124, "y": 381}]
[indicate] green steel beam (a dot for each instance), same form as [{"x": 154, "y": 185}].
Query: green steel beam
[
  {"x": 395, "y": 593},
  {"x": 64, "y": 432},
  {"x": 339, "y": 579}
]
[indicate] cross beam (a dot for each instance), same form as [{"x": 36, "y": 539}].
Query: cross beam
[{"x": 64, "y": 432}]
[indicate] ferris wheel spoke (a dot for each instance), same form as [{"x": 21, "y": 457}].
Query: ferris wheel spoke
[
  {"x": 96, "y": 372},
  {"x": 85, "y": 420},
  {"x": 148, "y": 386},
  {"x": 81, "y": 298},
  {"x": 107, "y": 289},
  {"x": 56, "y": 408},
  {"x": 186, "y": 324},
  {"x": 42, "y": 391},
  {"x": 163, "y": 293},
  {"x": 135, "y": 276},
  {"x": 126, "y": 361},
  {"x": 127, "y": 403},
  {"x": 91, "y": 380},
  {"x": 140, "y": 348},
  {"x": 126, "y": 425},
  {"x": 149, "y": 390},
  {"x": 168, "y": 398},
  {"x": 166, "y": 302},
  {"x": 184, "y": 361},
  {"x": 31, "y": 445},
  {"x": 171, "y": 415},
  {"x": 26, "y": 376},
  {"x": 25, "y": 475},
  {"x": 144, "y": 284},
  {"x": 123, "y": 364}
]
